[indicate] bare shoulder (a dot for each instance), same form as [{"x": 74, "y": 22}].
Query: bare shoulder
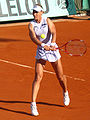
[
  {"x": 31, "y": 30},
  {"x": 49, "y": 22},
  {"x": 30, "y": 26},
  {"x": 51, "y": 25}
]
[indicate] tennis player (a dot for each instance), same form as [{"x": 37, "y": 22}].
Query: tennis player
[{"x": 46, "y": 51}]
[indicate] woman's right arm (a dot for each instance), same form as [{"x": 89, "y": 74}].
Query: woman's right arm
[
  {"x": 35, "y": 39},
  {"x": 33, "y": 35}
]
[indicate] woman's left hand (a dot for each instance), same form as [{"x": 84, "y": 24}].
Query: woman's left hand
[{"x": 53, "y": 48}]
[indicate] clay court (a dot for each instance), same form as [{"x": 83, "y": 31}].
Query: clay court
[{"x": 17, "y": 59}]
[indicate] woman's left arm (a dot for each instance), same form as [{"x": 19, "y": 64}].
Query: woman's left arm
[{"x": 52, "y": 29}]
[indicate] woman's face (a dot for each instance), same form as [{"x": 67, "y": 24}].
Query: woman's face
[{"x": 37, "y": 15}]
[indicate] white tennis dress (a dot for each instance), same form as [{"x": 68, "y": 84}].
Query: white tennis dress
[{"x": 42, "y": 28}]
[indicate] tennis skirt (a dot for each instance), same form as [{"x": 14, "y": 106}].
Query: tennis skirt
[{"x": 50, "y": 56}]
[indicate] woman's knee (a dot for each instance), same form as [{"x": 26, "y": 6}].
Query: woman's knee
[
  {"x": 61, "y": 77},
  {"x": 38, "y": 78}
]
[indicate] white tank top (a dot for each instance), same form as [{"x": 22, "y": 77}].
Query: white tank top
[{"x": 42, "y": 28}]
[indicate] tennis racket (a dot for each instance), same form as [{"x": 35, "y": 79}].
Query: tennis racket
[{"x": 74, "y": 47}]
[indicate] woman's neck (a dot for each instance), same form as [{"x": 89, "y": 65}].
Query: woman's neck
[{"x": 39, "y": 20}]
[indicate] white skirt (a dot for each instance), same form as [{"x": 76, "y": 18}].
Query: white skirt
[{"x": 50, "y": 56}]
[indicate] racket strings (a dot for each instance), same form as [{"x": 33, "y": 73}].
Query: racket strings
[{"x": 76, "y": 48}]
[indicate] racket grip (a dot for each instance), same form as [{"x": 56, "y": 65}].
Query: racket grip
[{"x": 57, "y": 48}]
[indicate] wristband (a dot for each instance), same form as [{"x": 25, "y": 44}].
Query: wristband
[
  {"x": 53, "y": 44},
  {"x": 43, "y": 44}
]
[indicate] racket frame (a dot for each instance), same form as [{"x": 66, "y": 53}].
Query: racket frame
[{"x": 65, "y": 50}]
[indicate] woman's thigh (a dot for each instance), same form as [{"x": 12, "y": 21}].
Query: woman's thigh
[
  {"x": 39, "y": 67},
  {"x": 58, "y": 67}
]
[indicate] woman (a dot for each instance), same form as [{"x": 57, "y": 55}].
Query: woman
[{"x": 43, "y": 33}]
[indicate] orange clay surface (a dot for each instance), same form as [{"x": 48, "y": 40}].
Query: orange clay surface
[{"x": 17, "y": 60}]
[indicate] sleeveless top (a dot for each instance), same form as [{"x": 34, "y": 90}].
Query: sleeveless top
[{"x": 42, "y": 28}]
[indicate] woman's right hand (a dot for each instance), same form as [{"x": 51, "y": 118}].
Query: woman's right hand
[{"x": 46, "y": 47}]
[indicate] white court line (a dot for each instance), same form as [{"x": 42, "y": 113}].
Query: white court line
[{"x": 26, "y": 66}]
